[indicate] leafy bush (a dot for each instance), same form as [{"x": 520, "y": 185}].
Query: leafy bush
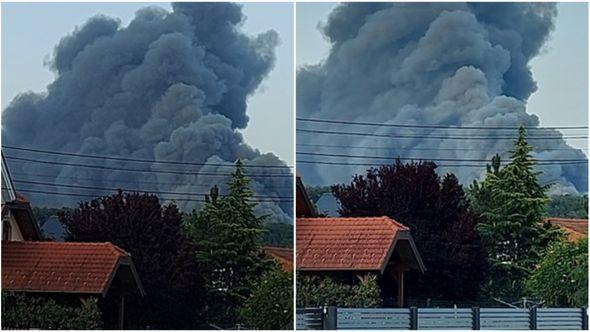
[
  {"x": 561, "y": 277},
  {"x": 270, "y": 307},
  {"x": 21, "y": 311},
  {"x": 317, "y": 291}
]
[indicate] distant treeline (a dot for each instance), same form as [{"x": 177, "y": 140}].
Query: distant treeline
[
  {"x": 276, "y": 234},
  {"x": 566, "y": 206}
]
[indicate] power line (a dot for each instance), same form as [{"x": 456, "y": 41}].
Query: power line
[
  {"x": 417, "y": 148},
  {"x": 434, "y": 137},
  {"x": 141, "y": 170},
  {"x": 93, "y": 196},
  {"x": 360, "y": 123},
  {"x": 50, "y": 176},
  {"x": 140, "y": 190},
  {"x": 422, "y": 158},
  {"x": 134, "y": 159},
  {"x": 440, "y": 165}
]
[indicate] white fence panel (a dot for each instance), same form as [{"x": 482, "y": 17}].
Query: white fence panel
[{"x": 373, "y": 319}]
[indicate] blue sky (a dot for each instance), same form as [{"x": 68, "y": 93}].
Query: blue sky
[
  {"x": 561, "y": 71},
  {"x": 31, "y": 30}
]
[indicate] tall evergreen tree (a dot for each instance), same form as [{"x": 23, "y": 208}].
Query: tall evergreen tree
[
  {"x": 229, "y": 235},
  {"x": 511, "y": 203}
]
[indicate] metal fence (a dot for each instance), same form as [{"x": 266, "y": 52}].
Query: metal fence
[
  {"x": 310, "y": 319},
  {"x": 374, "y": 319},
  {"x": 331, "y": 318}
]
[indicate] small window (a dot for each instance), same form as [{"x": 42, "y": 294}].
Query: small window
[{"x": 6, "y": 230}]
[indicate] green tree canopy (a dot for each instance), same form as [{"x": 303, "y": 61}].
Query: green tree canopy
[
  {"x": 229, "y": 236},
  {"x": 163, "y": 257},
  {"x": 511, "y": 203},
  {"x": 568, "y": 206},
  {"x": 278, "y": 234},
  {"x": 270, "y": 307},
  {"x": 561, "y": 277},
  {"x": 440, "y": 222}
]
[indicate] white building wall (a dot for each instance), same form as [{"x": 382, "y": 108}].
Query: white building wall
[
  {"x": 8, "y": 194},
  {"x": 15, "y": 233}
]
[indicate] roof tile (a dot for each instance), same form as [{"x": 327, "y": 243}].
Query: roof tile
[
  {"x": 68, "y": 267},
  {"x": 575, "y": 228},
  {"x": 345, "y": 243},
  {"x": 284, "y": 256}
]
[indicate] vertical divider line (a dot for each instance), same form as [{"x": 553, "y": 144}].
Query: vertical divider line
[{"x": 294, "y": 144}]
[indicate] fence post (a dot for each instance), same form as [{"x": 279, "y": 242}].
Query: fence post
[
  {"x": 533, "y": 317},
  {"x": 584, "y": 318},
  {"x": 413, "y": 318},
  {"x": 330, "y": 318},
  {"x": 476, "y": 318}
]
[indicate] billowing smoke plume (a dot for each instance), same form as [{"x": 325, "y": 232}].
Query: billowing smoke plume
[
  {"x": 171, "y": 86},
  {"x": 444, "y": 64}
]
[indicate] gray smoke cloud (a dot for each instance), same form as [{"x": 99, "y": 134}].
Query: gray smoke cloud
[
  {"x": 170, "y": 86},
  {"x": 449, "y": 64}
]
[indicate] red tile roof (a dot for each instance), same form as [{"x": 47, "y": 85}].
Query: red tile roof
[
  {"x": 345, "y": 243},
  {"x": 62, "y": 267},
  {"x": 574, "y": 228},
  {"x": 284, "y": 256}
]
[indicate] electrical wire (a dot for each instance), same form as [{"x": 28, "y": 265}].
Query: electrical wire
[
  {"x": 270, "y": 198},
  {"x": 360, "y": 123},
  {"x": 61, "y": 153},
  {"x": 178, "y": 172}
]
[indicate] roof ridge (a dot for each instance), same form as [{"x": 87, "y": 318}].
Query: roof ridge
[
  {"x": 275, "y": 247},
  {"x": 566, "y": 219},
  {"x": 384, "y": 218},
  {"x": 114, "y": 248},
  {"x": 397, "y": 223}
]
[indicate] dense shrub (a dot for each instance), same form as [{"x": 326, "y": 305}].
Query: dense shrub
[
  {"x": 317, "y": 291},
  {"x": 561, "y": 277},
  {"x": 270, "y": 307},
  {"x": 21, "y": 311}
]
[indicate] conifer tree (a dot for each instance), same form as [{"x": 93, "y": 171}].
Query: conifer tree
[
  {"x": 229, "y": 235},
  {"x": 511, "y": 203}
]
